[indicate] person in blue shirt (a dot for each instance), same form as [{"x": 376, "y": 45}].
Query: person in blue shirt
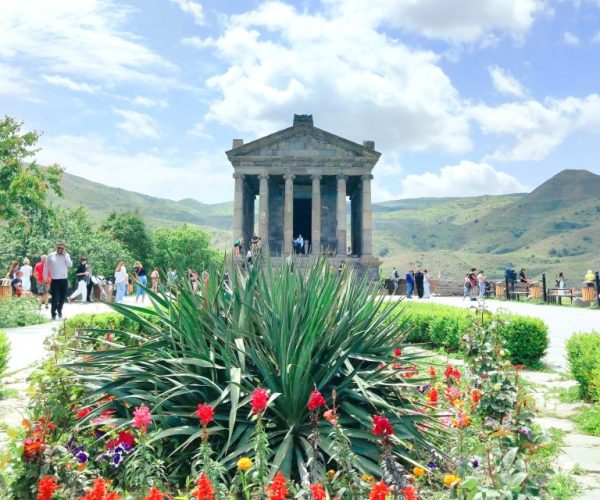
[{"x": 410, "y": 283}]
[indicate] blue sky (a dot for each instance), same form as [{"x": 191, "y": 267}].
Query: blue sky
[{"x": 462, "y": 97}]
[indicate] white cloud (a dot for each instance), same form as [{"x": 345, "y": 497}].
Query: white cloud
[
  {"x": 199, "y": 130},
  {"x": 465, "y": 179},
  {"x": 147, "y": 102},
  {"x": 14, "y": 83},
  {"x": 570, "y": 38},
  {"x": 457, "y": 21},
  {"x": 351, "y": 77},
  {"x": 137, "y": 124},
  {"x": 505, "y": 83},
  {"x": 196, "y": 42},
  {"x": 82, "y": 38},
  {"x": 65, "y": 82},
  {"x": 193, "y": 8},
  {"x": 93, "y": 158},
  {"x": 537, "y": 128}
]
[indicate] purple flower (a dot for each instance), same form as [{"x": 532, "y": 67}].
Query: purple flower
[
  {"x": 423, "y": 389},
  {"x": 116, "y": 459},
  {"x": 82, "y": 457},
  {"x": 526, "y": 432},
  {"x": 432, "y": 465},
  {"x": 474, "y": 464}
]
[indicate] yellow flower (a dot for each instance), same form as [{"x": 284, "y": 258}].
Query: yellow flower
[
  {"x": 244, "y": 463},
  {"x": 368, "y": 479},
  {"x": 451, "y": 480},
  {"x": 331, "y": 473},
  {"x": 419, "y": 471}
]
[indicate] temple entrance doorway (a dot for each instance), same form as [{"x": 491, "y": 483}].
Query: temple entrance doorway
[{"x": 302, "y": 217}]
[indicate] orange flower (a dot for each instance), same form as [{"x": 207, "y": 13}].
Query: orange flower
[
  {"x": 379, "y": 491},
  {"x": 419, "y": 471},
  {"x": 205, "y": 490},
  {"x": 329, "y": 415},
  {"x": 277, "y": 490},
  {"x": 475, "y": 396}
]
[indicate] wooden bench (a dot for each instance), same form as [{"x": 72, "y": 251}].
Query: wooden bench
[
  {"x": 519, "y": 290},
  {"x": 554, "y": 295}
]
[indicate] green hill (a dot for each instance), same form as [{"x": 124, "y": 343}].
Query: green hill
[{"x": 554, "y": 228}]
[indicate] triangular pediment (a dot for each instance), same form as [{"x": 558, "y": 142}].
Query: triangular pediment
[{"x": 303, "y": 141}]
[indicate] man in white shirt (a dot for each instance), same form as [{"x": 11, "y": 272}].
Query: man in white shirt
[{"x": 56, "y": 269}]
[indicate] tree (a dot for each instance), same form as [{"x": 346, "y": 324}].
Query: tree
[
  {"x": 184, "y": 247},
  {"x": 23, "y": 186},
  {"x": 130, "y": 229}
]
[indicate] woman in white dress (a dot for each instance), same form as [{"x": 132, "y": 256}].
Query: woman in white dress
[
  {"x": 121, "y": 280},
  {"x": 26, "y": 269},
  {"x": 426, "y": 287}
]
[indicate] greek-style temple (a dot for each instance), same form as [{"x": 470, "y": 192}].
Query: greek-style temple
[{"x": 303, "y": 177}]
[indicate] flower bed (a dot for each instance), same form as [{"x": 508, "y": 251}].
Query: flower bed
[
  {"x": 212, "y": 399},
  {"x": 21, "y": 311},
  {"x": 443, "y": 326}
]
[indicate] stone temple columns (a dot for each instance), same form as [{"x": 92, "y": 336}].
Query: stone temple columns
[
  {"x": 316, "y": 214},
  {"x": 367, "y": 218},
  {"x": 238, "y": 206},
  {"x": 341, "y": 215},
  {"x": 263, "y": 211},
  {"x": 288, "y": 214}
]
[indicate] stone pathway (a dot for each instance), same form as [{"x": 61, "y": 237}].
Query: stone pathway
[{"x": 580, "y": 453}]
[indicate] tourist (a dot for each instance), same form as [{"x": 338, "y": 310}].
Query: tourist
[
  {"x": 90, "y": 281},
  {"x": 12, "y": 269},
  {"x": 81, "y": 281},
  {"x": 17, "y": 284},
  {"x": 473, "y": 280},
  {"x": 395, "y": 279},
  {"x": 121, "y": 281},
  {"x": 589, "y": 276},
  {"x": 410, "y": 283},
  {"x": 155, "y": 277},
  {"x": 299, "y": 244},
  {"x": 193, "y": 277},
  {"x": 560, "y": 281},
  {"x": 523, "y": 279},
  {"x": 467, "y": 286},
  {"x": 41, "y": 284},
  {"x": 237, "y": 246},
  {"x": 254, "y": 243},
  {"x": 26, "y": 269},
  {"x": 249, "y": 259},
  {"x": 481, "y": 278},
  {"x": 419, "y": 283},
  {"x": 141, "y": 280},
  {"x": 57, "y": 267},
  {"x": 426, "y": 284}
]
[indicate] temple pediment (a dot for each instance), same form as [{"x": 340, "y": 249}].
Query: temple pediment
[{"x": 303, "y": 141}]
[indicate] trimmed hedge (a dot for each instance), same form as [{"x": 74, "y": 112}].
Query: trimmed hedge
[
  {"x": 583, "y": 353},
  {"x": 443, "y": 326},
  {"x": 20, "y": 311}
]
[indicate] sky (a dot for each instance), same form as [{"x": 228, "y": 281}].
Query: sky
[{"x": 462, "y": 97}]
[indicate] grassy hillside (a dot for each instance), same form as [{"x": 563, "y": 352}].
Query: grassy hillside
[{"x": 554, "y": 228}]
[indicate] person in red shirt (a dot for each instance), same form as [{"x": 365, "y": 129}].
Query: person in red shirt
[{"x": 42, "y": 285}]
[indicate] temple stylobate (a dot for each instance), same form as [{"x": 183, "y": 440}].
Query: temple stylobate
[{"x": 303, "y": 177}]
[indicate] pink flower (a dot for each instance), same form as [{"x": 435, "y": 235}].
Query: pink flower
[
  {"x": 142, "y": 418},
  {"x": 259, "y": 401}
]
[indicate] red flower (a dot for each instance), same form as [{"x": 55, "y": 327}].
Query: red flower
[
  {"x": 410, "y": 493},
  {"x": 205, "y": 413},
  {"x": 277, "y": 489},
  {"x": 46, "y": 488},
  {"x": 397, "y": 352},
  {"x": 205, "y": 489},
  {"x": 100, "y": 491},
  {"x": 433, "y": 396},
  {"x": 142, "y": 418},
  {"x": 452, "y": 372},
  {"x": 315, "y": 401},
  {"x": 318, "y": 492},
  {"x": 155, "y": 494},
  {"x": 475, "y": 396},
  {"x": 432, "y": 371},
  {"x": 382, "y": 426},
  {"x": 379, "y": 491},
  {"x": 83, "y": 413},
  {"x": 259, "y": 401}
]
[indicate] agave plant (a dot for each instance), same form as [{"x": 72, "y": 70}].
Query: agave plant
[{"x": 289, "y": 330}]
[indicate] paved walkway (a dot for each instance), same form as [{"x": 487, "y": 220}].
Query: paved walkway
[{"x": 561, "y": 321}]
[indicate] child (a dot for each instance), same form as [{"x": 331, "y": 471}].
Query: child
[{"x": 17, "y": 284}]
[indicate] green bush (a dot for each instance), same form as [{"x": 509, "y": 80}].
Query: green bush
[
  {"x": 444, "y": 326},
  {"x": 20, "y": 311},
  {"x": 4, "y": 352},
  {"x": 583, "y": 353}
]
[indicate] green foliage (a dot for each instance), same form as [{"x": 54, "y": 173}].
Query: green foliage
[
  {"x": 443, "y": 326},
  {"x": 23, "y": 186},
  {"x": 583, "y": 353},
  {"x": 130, "y": 230},
  {"x": 4, "y": 352},
  {"x": 185, "y": 248},
  {"x": 564, "y": 487},
  {"x": 588, "y": 420},
  {"x": 216, "y": 349},
  {"x": 20, "y": 311}
]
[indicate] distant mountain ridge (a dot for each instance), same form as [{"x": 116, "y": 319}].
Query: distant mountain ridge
[{"x": 555, "y": 227}]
